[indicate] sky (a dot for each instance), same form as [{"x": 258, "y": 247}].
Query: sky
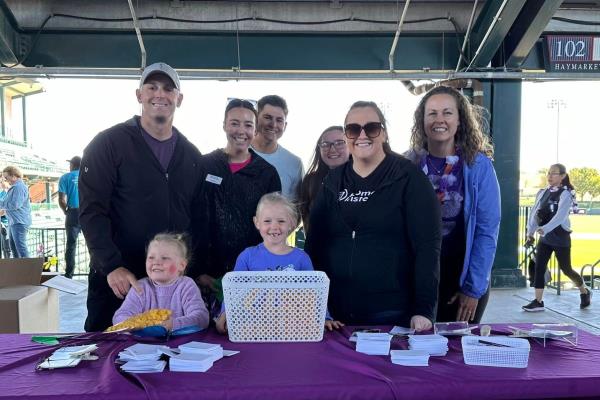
[
  {"x": 578, "y": 136},
  {"x": 63, "y": 119},
  {"x": 67, "y": 116}
]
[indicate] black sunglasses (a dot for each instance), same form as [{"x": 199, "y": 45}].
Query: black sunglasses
[{"x": 372, "y": 130}]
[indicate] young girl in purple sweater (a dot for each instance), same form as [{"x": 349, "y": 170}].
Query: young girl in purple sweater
[{"x": 166, "y": 287}]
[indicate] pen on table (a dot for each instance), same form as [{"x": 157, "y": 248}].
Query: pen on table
[{"x": 487, "y": 343}]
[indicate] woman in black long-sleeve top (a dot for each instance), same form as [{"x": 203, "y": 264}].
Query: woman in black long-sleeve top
[
  {"x": 236, "y": 180},
  {"x": 375, "y": 231}
]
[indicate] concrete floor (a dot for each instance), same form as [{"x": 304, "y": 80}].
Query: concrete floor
[{"x": 504, "y": 307}]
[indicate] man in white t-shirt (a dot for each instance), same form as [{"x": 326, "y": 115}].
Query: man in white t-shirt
[{"x": 272, "y": 115}]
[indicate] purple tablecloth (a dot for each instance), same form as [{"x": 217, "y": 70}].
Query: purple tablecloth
[
  {"x": 90, "y": 380},
  {"x": 330, "y": 369}
]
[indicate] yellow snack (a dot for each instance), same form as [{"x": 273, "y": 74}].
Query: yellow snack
[{"x": 149, "y": 318}]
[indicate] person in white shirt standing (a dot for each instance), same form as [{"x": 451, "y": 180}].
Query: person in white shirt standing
[{"x": 272, "y": 121}]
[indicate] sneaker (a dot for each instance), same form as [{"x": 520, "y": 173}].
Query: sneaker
[
  {"x": 586, "y": 299},
  {"x": 534, "y": 306}
]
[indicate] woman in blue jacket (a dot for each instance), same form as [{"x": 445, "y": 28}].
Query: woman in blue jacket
[
  {"x": 16, "y": 207},
  {"x": 448, "y": 144}
]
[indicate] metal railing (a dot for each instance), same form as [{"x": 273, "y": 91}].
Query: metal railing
[
  {"x": 50, "y": 244},
  {"x": 593, "y": 282}
]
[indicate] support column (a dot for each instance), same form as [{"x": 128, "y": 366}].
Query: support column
[
  {"x": 504, "y": 100},
  {"x": 2, "y": 121},
  {"x": 48, "y": 193},
  {"x": 24, "y": 109}
]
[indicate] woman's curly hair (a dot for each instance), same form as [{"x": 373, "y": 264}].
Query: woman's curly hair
[{"x": 472, "y": 132}]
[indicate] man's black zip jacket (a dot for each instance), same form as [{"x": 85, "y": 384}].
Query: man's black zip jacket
[
  {"x": 231, "y": 201},
  {"x": 126, "y": 197},
  {"x": 386, "y": 269}
]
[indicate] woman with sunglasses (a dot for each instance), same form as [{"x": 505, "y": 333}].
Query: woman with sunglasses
[
  {"x": 236, "y": 180},
  {"x": 331, "y": 151},
  {"x": 369, "y": 233},
  {"x": 449, "y": 146},
  {"x": 549, "y": 218}
]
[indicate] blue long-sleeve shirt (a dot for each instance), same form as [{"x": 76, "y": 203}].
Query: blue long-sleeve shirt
[{"x": 16, "y": 204}]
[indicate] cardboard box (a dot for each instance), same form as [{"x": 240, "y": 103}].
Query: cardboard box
[{"x": 25, "y": 306}]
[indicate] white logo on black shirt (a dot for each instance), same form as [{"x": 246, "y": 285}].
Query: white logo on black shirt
[{"x": 362, "y": 196}]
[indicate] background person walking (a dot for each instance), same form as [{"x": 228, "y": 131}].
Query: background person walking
[{"x": 549, "y": 218}]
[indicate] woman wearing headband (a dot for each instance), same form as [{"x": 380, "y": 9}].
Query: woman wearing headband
[{"x": 375, "y": 231}]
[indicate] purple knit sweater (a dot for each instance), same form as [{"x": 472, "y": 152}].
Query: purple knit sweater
[{"x": 182, "y": 297}]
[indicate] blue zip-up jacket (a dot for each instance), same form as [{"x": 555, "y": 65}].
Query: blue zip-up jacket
[
  {"x": 482, "y": 223},
  {"x": 16, "y": 204}
]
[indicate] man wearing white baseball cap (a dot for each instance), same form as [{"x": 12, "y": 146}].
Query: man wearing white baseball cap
[
  {"x": 160, "y": 68},
  {"x": 137, "y": 178}
]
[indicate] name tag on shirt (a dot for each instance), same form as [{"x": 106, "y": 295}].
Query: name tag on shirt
[{"x": 214, "y": 179}]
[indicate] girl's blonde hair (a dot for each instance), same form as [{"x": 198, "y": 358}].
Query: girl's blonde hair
[
  {"x": 179, "y": 240},
  {"x": 276, "y": 198}
]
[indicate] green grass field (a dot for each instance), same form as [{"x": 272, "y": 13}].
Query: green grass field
[{"x": 585, "y": 250}]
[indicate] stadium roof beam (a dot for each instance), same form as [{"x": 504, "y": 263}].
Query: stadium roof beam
[
  {"x": 531, "y": 22},
  {"x": 279, "y": 34},
  {"x": 8, "y": 37},
  {"x": 491, "y": 27}
]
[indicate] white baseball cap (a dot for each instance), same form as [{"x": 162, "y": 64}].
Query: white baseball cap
[{"x": 160, "y": 68}]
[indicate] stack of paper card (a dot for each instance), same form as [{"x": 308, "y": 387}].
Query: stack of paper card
[
  {"x": 435, "y": 345},
  {"x": 141, "y": 352},
  {"x": 410, "y": 358},
  {"x": 373, "y": 343},
  {"x": 191, "y": 362},
  {"x": 144, "y": 367},
  {"x": 142, "y": 358},
  {"x": 214, "y": 351},
  {"x": 190, "y": 357}
]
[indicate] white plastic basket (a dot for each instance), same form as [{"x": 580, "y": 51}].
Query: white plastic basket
[
  {"x": 477, "y": 353},
  {"x": 275, "y": 306}
]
